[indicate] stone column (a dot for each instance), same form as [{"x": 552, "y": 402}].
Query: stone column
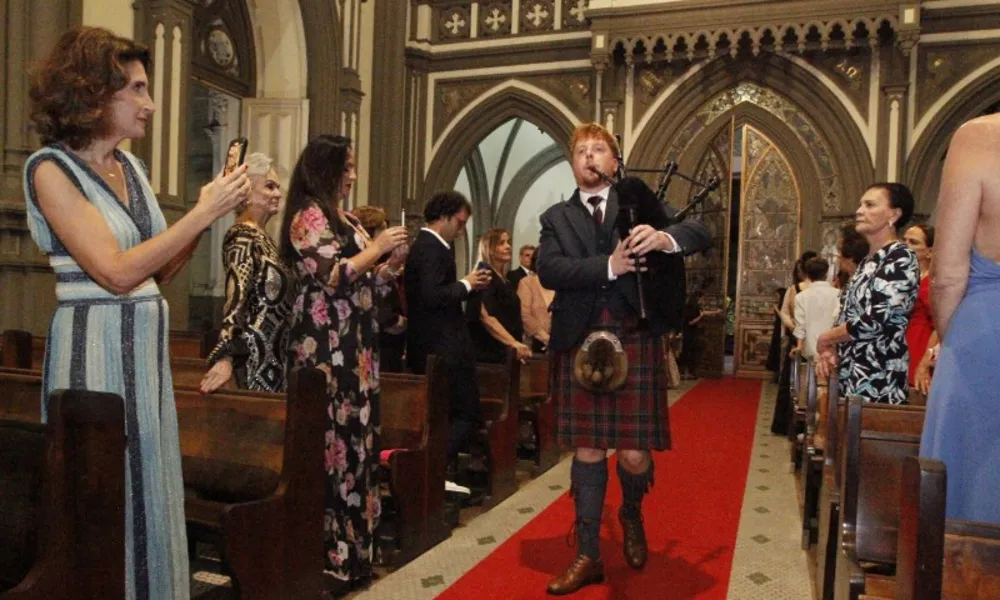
[
  {"x": 28, "y": 30},
  {"x": 166, "y": 27},
  {"x": 388, "y": 138}
]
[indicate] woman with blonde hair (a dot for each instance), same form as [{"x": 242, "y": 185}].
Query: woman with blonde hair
[
  {"x": 260, "y": 288},
  {"x": 494, "y": 314}
]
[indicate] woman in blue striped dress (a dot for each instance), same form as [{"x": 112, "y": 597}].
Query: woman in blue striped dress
[{"x": 92, "y": 210}]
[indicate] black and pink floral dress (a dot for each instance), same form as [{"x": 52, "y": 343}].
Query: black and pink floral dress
[{"x": 334, "y": 328}]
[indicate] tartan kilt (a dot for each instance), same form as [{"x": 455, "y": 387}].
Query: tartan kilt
[{"x": 633, "y": 418}]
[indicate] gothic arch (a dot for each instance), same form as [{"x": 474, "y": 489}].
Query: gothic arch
[
  {"x": 465, "y": 136},
  {"x": 923, "y": 165},
  {"x": 526, "y": 176},
  {"x": 797, "y": 154},
  {"x": 849, "y": 156}
]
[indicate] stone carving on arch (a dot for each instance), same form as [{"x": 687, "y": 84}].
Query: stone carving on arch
[
  {"x": 795, "y": 150},
  {"x": 465, "y": 136},
  {"x": 808, "y": 113},
  {"x": 925, "y": 160}
]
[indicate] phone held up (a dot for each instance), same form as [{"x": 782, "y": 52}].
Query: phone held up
[{"x": 235, "y": 155}]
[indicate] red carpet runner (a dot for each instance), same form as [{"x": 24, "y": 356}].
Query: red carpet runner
[{"x": 691, "y": 515}]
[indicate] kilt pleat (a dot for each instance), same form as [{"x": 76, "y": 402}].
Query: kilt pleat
[{"x": 634, "y": 417}]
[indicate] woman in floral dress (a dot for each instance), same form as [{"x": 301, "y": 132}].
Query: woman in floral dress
[
  {"x": 868, "y": 345},
  {"x": 334, "y": 328}
]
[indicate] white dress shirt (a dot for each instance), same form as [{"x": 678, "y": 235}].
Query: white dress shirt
[{"x": 815, "y": 312}]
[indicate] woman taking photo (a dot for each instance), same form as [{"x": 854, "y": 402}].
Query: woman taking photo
[
  {"x": 333, "y": 328},
  {"x": 260, "y": 288},
  {"x": 494, "y": 314},
  {"x": 92, "y": 211},
  {"x": 869, "y": 344}
]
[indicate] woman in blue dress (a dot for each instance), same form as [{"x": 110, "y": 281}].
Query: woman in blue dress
[
  {"x": 963, "y": 409},
  {"x": 91, "y": 209},
  {"x": 869, "y": 342}
]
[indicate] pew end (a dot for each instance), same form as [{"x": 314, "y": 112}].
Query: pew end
[
  {"x": 939, "y": 557},
  {"x": 414, "y": 413},
  {"x": 253, "y": 476},
  {"x": 63, "y": 522}
]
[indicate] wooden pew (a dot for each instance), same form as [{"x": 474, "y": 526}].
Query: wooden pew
[
  {"x": 812, "y": 461},
  {"x": 16, "y": 349},
  {"x": 414, "y": 414},
  {"x": 537, "y": 413},
  {"x": 21, "y": 399},
  {"x": 62, "y": 519},
  {"x": 878, "y": 437},
  {"x": 797, "y": 410},
  {"x": 828, "y": 544},
  {"x": 190, "y": 344},
  {"x": 938, "y": 557},
  {"x": 183, "y": 344},
  {"x": 499, "y": 392},
  {"x": 254, "y": 483}
]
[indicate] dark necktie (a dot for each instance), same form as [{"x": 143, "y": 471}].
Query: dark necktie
[{"x": 595, "y": 201}]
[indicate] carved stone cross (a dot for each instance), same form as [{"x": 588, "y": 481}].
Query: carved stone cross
[
  {"x": 537, "y": 14},
  {"x": 496, "y": 19},
  {"x": 577, "y": 11},
  {"x": 456, "y": 24}
]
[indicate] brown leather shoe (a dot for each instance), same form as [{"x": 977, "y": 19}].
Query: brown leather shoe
[
  {"x": 583, "y": 572},
  {"x": 634, "y": 546}
]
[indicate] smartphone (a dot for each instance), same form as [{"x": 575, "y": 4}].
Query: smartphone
[
  {"x": 235, "y": 155},
  {"x": 402, "y": 217},
  {"x": 484, "y": 265}
]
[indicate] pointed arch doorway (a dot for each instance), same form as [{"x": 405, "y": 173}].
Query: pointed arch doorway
[{"x": 755, "y": 219}]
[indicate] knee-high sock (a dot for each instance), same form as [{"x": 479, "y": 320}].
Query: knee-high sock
[
  {"x": 634, "y": 487},
  {"x": 589, "y": 483}
]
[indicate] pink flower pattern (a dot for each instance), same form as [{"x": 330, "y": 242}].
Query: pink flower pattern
[{"x": 334, "y": 327}]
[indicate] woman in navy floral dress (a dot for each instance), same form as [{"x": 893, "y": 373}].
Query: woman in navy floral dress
[
  {"x": 869, "y": 341},
  {"x": 334, "y": 328}
]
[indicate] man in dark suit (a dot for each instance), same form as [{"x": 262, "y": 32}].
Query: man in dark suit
[
  {"x": 593, "y": 273},
  {"x": 436, "y": 322},
  {"x": 524, "y": 255}
]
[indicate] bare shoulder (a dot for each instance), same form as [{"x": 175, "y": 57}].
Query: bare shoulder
[{"x": 978, "y": 132}]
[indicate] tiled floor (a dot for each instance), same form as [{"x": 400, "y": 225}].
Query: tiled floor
[{"x": 768, "y": 563}]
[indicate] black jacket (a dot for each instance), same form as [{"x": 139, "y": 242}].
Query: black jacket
[
  {"x": 435, "y": 321},
  {"x": 514, "y": 277},
  {"x": 573, "y": 261}
]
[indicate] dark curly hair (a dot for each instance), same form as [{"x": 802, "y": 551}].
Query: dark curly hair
[
  {"x": 74, "y": 84},
  {"x": 445, "y": 205}
]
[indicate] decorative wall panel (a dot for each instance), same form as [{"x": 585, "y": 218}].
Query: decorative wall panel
[{"x": 768, "y": 244}]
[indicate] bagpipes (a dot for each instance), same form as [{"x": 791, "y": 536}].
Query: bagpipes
[
  {"x": 601, "y": 364},
  {"x": 663, "y": 285}
]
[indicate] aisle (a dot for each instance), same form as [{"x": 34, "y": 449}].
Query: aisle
[{"x": 696, "y": 507}]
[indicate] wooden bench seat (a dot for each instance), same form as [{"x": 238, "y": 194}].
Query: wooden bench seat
[
  {"x": 877, "y": 439},
  {"x": 254, "y": 483},
  {"x": 414, "y": 421},
  {"x": 811, "y": 471},
  {"x": 62, "y": 484}
]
